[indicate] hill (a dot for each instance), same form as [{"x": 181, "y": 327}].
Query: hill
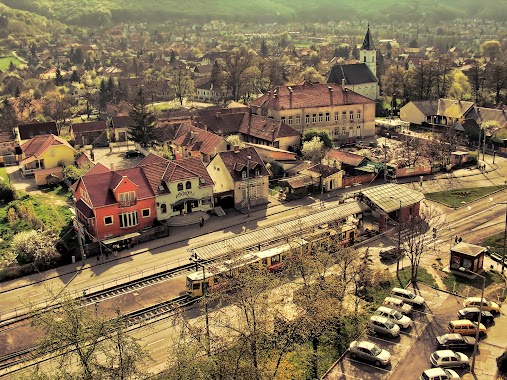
[{"x": 102, "y": 12}]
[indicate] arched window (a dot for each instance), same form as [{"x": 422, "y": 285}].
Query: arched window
[
  {"x": 180, "y": 186},
  {"x": 163, "y": 208},
  {"x": 188, "y": 185}
]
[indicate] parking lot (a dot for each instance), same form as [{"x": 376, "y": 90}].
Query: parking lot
[{"x": 410, "y": 351}]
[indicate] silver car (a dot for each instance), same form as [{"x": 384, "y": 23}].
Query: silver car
[
  {"x": 369, "y": 351},
  {"x": 394, "y": 316},
  {"x": 382, "y": 325},
  {"x": 449, "y": 358}
]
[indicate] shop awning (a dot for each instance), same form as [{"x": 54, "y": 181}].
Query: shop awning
[{"x": 120, "y": 238}]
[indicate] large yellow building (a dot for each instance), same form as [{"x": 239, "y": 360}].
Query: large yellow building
[{"x": 328, "y": 107}]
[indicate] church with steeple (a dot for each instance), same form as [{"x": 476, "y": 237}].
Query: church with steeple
[{"x": 359, "y": 77}]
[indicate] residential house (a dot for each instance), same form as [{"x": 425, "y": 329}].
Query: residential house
[
  {"x": 44, "y": 157},
  {"x": 185, "y": 140},
  {"x": 203, "y": 70},
  {"x": 89, "y": 133},
  {"x": 330, "y": 108},
  {"x": 359, "y": 77},
  {"x": 311, "y": 177},
  {"x": 114, "y": 203},
  {"x": 206, "y": 91},
  {"x": 446, "y": 113},
  {"x": 10, "y": 151},
  {"x": 27, "y": 131},
  {"x": 183, "y": 189},
  {"x": 240, "y": 178},
  {"x": 120, "y": 126}
]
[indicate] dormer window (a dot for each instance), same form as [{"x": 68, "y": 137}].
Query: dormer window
[
  {"x": 257, "y": 172},
  {"x": 188, "y": 185},
  {"x": 243, "y": 174},
  {"x": 180, "y": 186}
]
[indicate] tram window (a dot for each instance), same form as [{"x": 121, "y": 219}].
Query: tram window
[
  {"x": 264, "y": 261},
  {"x": 275, "y": 259},
  {"x": 196, "y": 286}
]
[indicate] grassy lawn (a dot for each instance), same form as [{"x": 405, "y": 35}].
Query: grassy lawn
[
  {"x": 466, "y": 287},
  {"x": 458, "y": 197},
  {"x": 422, "y": 275},
  {"x": 5, "y": 62},
  {"x": 166, "y": 106},
  {"x": 3, "y": 175}
]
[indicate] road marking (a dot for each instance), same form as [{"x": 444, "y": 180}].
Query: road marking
[
  {"x": 157, "y": 341},
  {"x": 368, "y": 364},
  {"x": 387, "y": 341}
]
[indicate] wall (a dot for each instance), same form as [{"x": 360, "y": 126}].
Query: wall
[
  {"x": 220, "y": 176},
  {"x": 58, "y": 153},
  {"x": 289, "y": 141},
  {"x": 259, "y": 192},
  {"x": 365, "y": 178},
  {"x": 409, "y": 112}
]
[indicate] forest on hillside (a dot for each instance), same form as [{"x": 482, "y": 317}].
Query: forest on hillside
[{"x": 104, "y": 12}]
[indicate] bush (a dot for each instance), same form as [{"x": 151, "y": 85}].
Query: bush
[
  {"x": 35, "y": 247},
  {"x": 501, "y": 363},
  {"x": 7, "y": 193}
]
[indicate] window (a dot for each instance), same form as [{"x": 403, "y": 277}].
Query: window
[
  {"x": 290, "y": 120},
  {"x": 283, "y": 119},
  {"x": 188, "y": 185},
  {"x": 163, "y": 208},
  {"x": 298, "y": 119},
  {"x": 180, "y": 186},
  {"x": 358, "y": 115},
  {"x": 351, "y": 115},
  {"x": 307, "y": 119},
  {"x": 243, "y": 174},
  {"x": 146, "y": 212},
  {"x": 314, "y": 117},
  {"x": 128, "y": 219},
  {"x": 108, "y": 220},
  {"x": 327, "y": 116},
  {"x": 127, "y": 198},
  {"x": 257, "y": 172},
  {"x": 320, "y": 118},
  {"x": 336, "y": 116},
  {"x": 344, "y": 115}
]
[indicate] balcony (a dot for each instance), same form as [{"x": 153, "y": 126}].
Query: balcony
[{"x": 127, "y": 203}]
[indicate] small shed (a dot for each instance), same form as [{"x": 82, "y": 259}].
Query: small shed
[{"x": 468, "y": 256}]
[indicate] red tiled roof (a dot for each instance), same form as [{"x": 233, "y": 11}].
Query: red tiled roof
[
  {"x": 265, "y": 128},
  {"x": 122, "y": 121},
  {"x": 235, "y": 162},
  {"x": 345, "y": 157},
  {"x": 309, "y": 95},
  {"x": 37, "y": 145},
  {"x": 197, "y": 139},
  {"x": 84, "y": 209},
  {"x": 93, "y": 126}
]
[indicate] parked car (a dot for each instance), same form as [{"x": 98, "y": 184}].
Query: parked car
[
  {"x": 472, "y": 314},
  {"x": 397, "y": 304},
  {"x": 132, "y": 153},
  {"x": 390, "y": 253},
  {"x": 394, "y": 316},
  {"x": 384, "y": 326},
  {"x": 369, "y": 351},
  {"x": 466, "y": 327},
  {"x": 407, "y": 296},
  {"x": 490, "y": 306},
  {"x": 455, "y": 341},
  {"x": 449, "y": 358},
  {"x": 439, "y": 374}
]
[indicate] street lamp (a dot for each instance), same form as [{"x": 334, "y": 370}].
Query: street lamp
[
  {"x": 248, "y": 158},
  {"x": 474, "y": 354},
  {"x": 399, "y": 237},
  {"x": 198, "y": 263}
]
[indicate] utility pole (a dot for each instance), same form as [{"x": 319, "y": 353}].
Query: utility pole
[
  {"x": 198, "y": 263},
  {"x": 248, "y": 158},
  {"x": 385, "y": 161}
]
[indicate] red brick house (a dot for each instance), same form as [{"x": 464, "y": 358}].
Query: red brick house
[{"x": 114, "y": 203}]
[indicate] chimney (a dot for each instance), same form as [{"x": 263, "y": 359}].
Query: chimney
[
  {"x": 345, "y": 96},
  {"x": 330, "y": 95},
  {"x": 290, "y": 96},
  {"x": 112, "y": 165},
  {"x": 236, "y": 148},
  {"x": 192, "y": 134},
  {"x": 344, "y": 82}
]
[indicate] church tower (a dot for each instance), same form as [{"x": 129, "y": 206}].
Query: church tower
[{"x": 368, "y": 54}]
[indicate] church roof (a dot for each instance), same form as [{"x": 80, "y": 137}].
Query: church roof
[
  {"x": 355, "y": 73},
  {"x": 368, "y": 41}
]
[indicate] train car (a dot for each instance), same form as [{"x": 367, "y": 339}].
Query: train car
[
  {"x": 219, "y": 276},
  {"x": 346, "y": 235}
]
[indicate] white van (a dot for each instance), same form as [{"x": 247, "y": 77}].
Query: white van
[{"x": 397, "y": 304}]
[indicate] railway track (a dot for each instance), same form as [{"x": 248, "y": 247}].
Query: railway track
[
  {"x": 114, "y": 291},
  {"x": 135, "y": 319}
]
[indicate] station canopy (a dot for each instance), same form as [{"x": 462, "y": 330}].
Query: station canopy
[{"x": 280, "y": 232}]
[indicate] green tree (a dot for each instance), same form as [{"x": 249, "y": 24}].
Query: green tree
[
  {"x": 323, "y": 136},
  {"x": 236, "y": 64},
  {"x": 491, "y": 49},
  {"x": 58, "y": 77},
  {"x": 314, "y": 150},
  {"x": 75, "y": 77},
  {"x": 144, "y": 120},
  {"x": 235, "y": 140},
  {"x": 460, "y": 86},
  {"x": 413, "y": 44},
  {"x": 264, "y": 49},
  {"x": 8, "y": 118}
]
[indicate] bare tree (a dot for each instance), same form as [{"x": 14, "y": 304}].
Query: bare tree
[{"x": 235, "y": 65}]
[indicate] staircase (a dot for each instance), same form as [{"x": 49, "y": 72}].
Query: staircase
[
  {"x": 187, "y": 220},
  {"x": 219, "y": 211}
]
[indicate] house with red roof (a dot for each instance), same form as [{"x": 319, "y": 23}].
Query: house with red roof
[
  {"x": 327, "y": 107},
  {"x": 45, "y": 156},
  {"x": 89, "y": 133},
  {"x": 183, "y": 189},
  {"x": 185, "y": 140},
  {"x": 113, "y": 203},
  {"x": 240, "y": 178}
]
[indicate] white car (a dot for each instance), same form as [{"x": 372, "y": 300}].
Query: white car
[
  {"x": 369, "y": 351},
  {"x": 382, "y": 325},
  {"x": 439, "y": 374},
  {"x": 407, "y": 296},
  {"x": 449, "y": 358},
  {"x": 394, "y": 316}
]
